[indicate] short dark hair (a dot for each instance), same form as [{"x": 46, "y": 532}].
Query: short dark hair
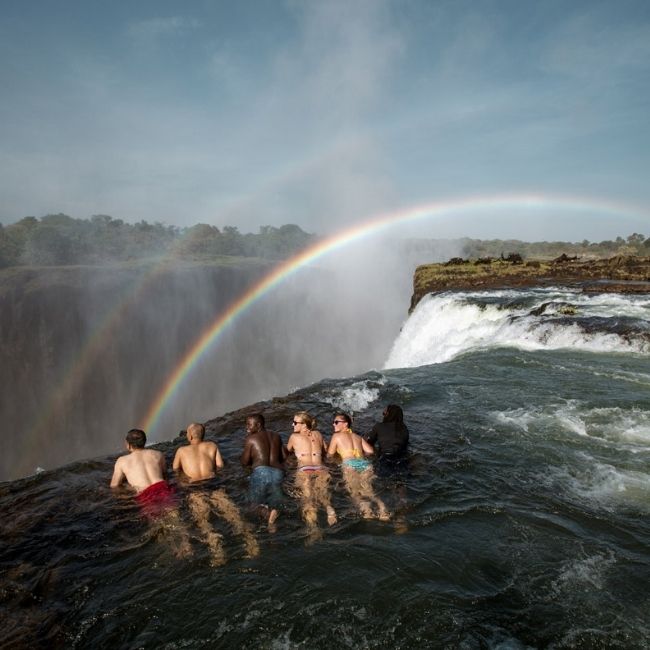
[
  {"x": 258, "y": 417},
  {"x": 137, "y": 438},
  {"x": 345, "y": 416}
]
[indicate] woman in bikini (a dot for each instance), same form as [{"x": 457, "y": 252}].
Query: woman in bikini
[
  {"x": 312, "y": 477},
  {"x": 357, "y": 469}
]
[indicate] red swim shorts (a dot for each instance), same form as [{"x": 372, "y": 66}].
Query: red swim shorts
[{"x": 157, "y": 499}]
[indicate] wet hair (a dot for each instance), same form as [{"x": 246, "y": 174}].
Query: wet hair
[
  {"x": 394, "y": 413},
  {"x": 307, "y": 419},
  {"x": 196, "y": 428},
  {"x": 258, "y": 417},
  {"x": 136, "y": 438},
  {"x": 345, "y": 416}
]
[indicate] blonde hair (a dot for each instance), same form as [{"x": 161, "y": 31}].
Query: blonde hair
[
  {"x": 196, "y": 429},
  {"x": 307, "y": 419}
]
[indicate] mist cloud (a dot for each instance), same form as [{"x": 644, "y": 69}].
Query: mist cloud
[{"x": 320, "y": 113}]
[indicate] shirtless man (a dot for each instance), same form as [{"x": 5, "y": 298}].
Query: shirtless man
[
  {"x": 263, "y": 451},
  {"x": 144, "y": 470},
  {"x": 312, "y": 477},
  {"x": 201, "y": 458},
  {"x": 199, "y": 461}
]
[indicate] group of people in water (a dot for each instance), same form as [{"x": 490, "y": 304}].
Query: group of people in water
[{"x": 198, "y": 462}]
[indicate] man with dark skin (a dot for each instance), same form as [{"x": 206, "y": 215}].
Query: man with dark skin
[{"x": 264, "y": 453}]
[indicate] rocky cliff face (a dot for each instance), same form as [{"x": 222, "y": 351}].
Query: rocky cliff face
[{"x": 621, "y": 273}]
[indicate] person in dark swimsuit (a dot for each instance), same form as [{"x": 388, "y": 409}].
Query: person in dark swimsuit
[{"x": 391, "y": 437}]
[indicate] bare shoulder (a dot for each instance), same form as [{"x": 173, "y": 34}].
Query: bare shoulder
[{"x": 209, "y": 446}]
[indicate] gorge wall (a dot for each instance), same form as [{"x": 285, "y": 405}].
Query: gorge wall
[{"x": 85, "y": 350}]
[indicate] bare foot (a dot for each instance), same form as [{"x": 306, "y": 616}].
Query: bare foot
[
  {"x": 314, "y": 534},
  {"x": 366, "y": 511},
  {"x": 184, "y": 550},
  {"x": 252, "y": 547},
  {"x": 273, "y": 516},
  {"x": 217, "y": 557},
  {"x": 384, "y": 515},
  {"x": 310, "y": 517}
]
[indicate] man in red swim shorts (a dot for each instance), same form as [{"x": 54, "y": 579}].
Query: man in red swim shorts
[{"x": 144, "y": 470}]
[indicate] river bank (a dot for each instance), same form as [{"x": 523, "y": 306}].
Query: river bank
[{"x": 622, "y": 274}]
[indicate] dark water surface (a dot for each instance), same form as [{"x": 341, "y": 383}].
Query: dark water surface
[{"x": 521, "y": 521}]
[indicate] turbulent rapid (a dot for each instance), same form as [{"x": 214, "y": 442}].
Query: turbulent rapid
[{"x": 521, "y": 520}]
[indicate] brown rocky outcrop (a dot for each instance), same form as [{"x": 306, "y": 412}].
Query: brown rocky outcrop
[{"x": 622, "y": 274}]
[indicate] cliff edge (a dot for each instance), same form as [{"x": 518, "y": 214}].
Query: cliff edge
[{"x": 623, "y": 274}]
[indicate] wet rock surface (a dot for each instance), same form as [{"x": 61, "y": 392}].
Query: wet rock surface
[{"x": 619, "y": 274}]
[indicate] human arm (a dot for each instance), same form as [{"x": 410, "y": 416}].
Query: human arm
[
  {"x": 372, "y": 436},
  {"x": 276, "y": 448},
  {"x": 331, "y": 450},
  {"x": 162, "y": 464},
  {"x": 283, "y": 449},
  {"x": 218, "y": 461},
  {"x": 323, "y": 445},
  {"x": 245, "y": 457},
  {"x": 368, "y": 449},
  {"x": 118, "y": 474},
  {"x": 177, "y": 465}
]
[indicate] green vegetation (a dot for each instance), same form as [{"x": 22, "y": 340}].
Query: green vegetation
[
  {"x": 635, "y": 244},
  {"x": 60, "y": 240},
  {"x": 624, "y": 273}
]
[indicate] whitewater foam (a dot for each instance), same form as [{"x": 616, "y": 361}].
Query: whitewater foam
[
  {"x": 356, "y": 397},
  {"x": 444, "y": 326},
  {"x": 624, "y": 429}
]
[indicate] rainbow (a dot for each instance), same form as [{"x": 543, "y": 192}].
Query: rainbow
[
  {"x": 75, "y": 373},
  {"x": 348, "y": 236}
]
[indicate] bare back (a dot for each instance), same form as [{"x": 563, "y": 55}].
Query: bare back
[
  {"x": 348, "y": 445},
  {"x": 308, "y": 447},
  {"x": 141, "y": 468},
  {"x": 198, "y": 461},
  {"x": 263, "y": 448}
]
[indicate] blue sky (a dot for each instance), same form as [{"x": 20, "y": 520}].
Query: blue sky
[{"x": 323, "y": 113}]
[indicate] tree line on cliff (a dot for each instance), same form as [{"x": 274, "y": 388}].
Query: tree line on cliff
[
  {"x": 634, "y": 244},
  {"x": 59, "y": 240}
]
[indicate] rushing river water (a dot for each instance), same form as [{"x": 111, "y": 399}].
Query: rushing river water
[{"x": 521, "y": 521}]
